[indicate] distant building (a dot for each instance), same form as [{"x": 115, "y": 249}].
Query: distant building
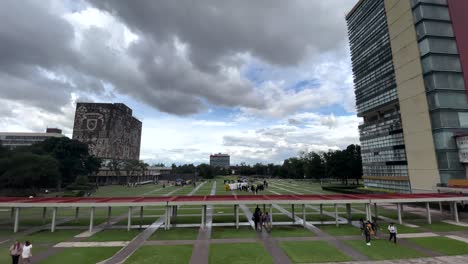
[
  {"x": 220, "y": 160},
  {"x": 106, "y": 175},
  {"x": 13, "y": 140},
  {"x": 110, "y": 130}
]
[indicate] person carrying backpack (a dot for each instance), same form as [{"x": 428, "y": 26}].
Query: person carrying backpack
[{"x": 368, "y": 232}]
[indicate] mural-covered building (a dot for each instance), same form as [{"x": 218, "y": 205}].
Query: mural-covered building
[{"x": 110, "y": 130}]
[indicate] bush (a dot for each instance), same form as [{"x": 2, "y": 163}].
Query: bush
[
  {"x": 357, "y": 189},
  {"x": 76, "y": 193}
]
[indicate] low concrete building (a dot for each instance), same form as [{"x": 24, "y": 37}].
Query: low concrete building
[
  {"x": 220, "y": 160},
  {"x": 107, "y": 176},
  {"x": 13, "y": 140}
]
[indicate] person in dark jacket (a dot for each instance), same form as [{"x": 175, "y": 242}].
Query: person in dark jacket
[{"x": 256, "y": 217}]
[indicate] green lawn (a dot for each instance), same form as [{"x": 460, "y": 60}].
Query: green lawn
[
  {"x": 232, "y": 232},
  {"x": 290, "y": 231},
  {"x": 312, "y": 252},
  {"x": 227, "y": 218},
  {"x": 242, "y": 253},
  {"x": 113, "y": 235},
  {"x": 442, "y": 227},
  {"x": 82, "y": 255},
  {"x": 136, "y": 220},
  {"x": 443, "y": 245},
  {"x": 383, "y": 250},
  {"x": 175, "y": 234},
  {"x": 186, "y": 220},
  {"x": 46, "y": 236},
  {"x": 161, "y": 255},
  {"x": 341, "y": 230}
]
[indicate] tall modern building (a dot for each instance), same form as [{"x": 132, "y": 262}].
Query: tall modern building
[
  {"x": 13, "y": 140},
  {"x": 220, "y": 160},
  {"x": 410, "y": 65},
  {"x": 110, "y": 130}
]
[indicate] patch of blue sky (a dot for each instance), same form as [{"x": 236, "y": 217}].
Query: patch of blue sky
[
  {"x": 255, "y": 73},
  {"x": 336, "y": 109},
  {"x": 305, "y": 84}
]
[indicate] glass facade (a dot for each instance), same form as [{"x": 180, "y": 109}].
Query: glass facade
[
  {"x": 381, "y": 135},
  {"x": 447, "y": 99}
]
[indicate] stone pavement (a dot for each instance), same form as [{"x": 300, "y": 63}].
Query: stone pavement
[
  {"x": 141, "y": 238},
  {"x": 201, "y": 250},
  {"x": 433, "y": 260},
  {"x": 271, "y": 246}
]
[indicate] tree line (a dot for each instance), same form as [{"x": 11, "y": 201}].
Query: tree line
[
  {"x": 53, "y": 163},
  {"x": 337, "y": 164}
]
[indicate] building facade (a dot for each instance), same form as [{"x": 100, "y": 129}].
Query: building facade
[
  {"x": 408, "y": 58},
  {"x": 220, "y": 160},
  {"x": 110, "y": 130},
  {"x": 13, "y": 140}
]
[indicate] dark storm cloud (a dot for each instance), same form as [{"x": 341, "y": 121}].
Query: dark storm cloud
[
  {"x": 280, "y": 32},
  {"x": 42, "y": 62}
]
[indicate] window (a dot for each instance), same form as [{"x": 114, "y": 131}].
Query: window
[
  {"x": 444, "y": 80},
  {"x": 434, "y": 28},
  {"x": 444, "y": 140},
  {"x": 431, "y": 12},
  {"x": 434, "y": 45},
  {"x": 451, "y": 100},
  {"x": 445, "y": 120},
  {"x": 449, "y": 160},
  {"x": 439, "y": 2},
  {"x": 441, "y": 63},
  {"x": 463, "y": 117}
]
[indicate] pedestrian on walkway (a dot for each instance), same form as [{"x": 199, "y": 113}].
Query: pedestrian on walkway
[
  {"x": 393, "y": 232},
  {"x": 256, "y": 217},
  {"x": 361, "y": 226},
  {"x": 267, "y": 222},
  {"x": 368, "y": 232},
  {"x": 15, "y": 252},
  {"x": 26, "y": 253},
  {"x": 375, "y": 226}
]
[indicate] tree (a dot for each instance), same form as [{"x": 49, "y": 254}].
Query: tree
[
  {"x": 314, "y": 165},
  {"x": 131, "y": 167},
  {"x": 116, "y": 166},
  {"x": 73, "y": 158},
  {"x": 205, "y": 171},
  {"x": 25, "y": 170}
]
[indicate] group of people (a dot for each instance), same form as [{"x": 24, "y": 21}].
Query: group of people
[
  {"x": 21, "y": 251},
  {"x": 369, "y": 230},
  {"x": 255, "y": 188},
  {"x": 261, "y": 220}
]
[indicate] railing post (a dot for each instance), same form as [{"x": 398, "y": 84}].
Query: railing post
[
  {"x": 54, "y": 215},
  {"x": 91, "y": 219}
]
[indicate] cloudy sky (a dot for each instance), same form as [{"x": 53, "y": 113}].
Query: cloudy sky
[{"x": 260, "y": 80}]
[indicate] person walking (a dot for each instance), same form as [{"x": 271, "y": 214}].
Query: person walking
[
  {"x": 361, "y": 226},
  {"x": 15, "y": 252},
  {"x": 368, "y": 232},
  {"x": 267, "y": 222},
  {"x": 392, "y": 229},
  {"x": 375, "y": 226},
  {"x": 26, "y": 253},
  {"x": 256, "y": 217}
]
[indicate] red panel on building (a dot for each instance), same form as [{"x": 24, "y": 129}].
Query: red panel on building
[{"x": 459, "y": 14}]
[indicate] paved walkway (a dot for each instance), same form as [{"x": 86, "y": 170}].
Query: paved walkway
[
  {"x": 271, "y": 246},
  {"x": 432, "y": 260},
  {"x": 138, "y": 241},
  {"x": 201, "y": 250}
]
